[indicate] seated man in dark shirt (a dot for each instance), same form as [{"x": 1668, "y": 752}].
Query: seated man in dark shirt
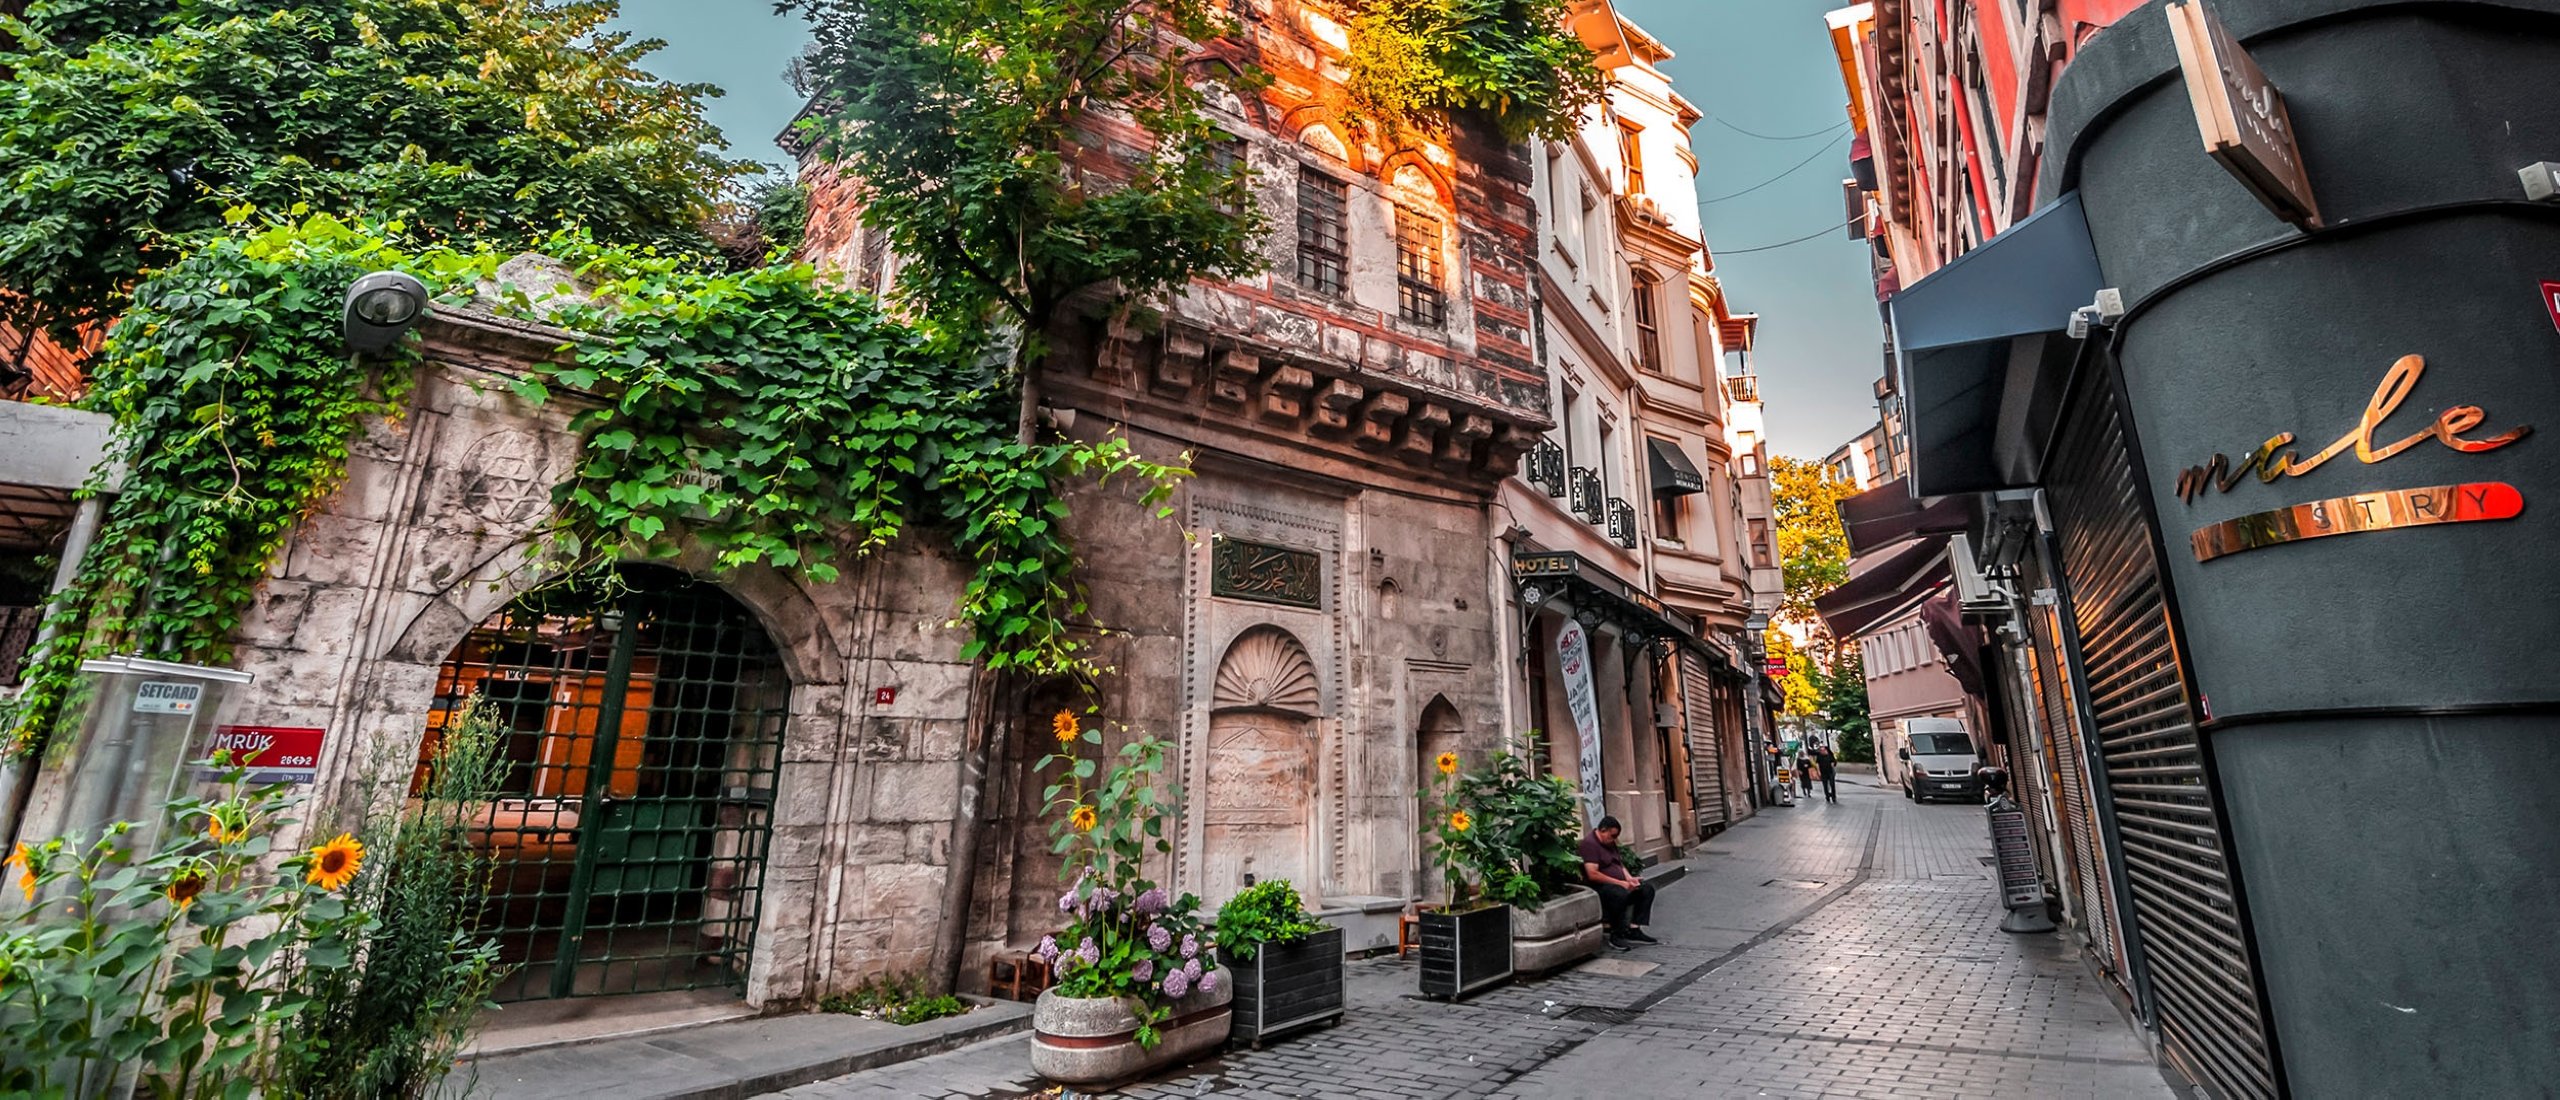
[{"x": 1625, "y": 900}]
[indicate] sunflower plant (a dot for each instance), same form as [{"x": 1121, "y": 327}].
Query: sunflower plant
[
  {"x": 1125, "y": 937},
  {"x": 1451, "y": 836}
]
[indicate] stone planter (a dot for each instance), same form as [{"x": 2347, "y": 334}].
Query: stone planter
[
  {"x": 1465, "y": 952},
  {"x": 1285, "y": 988},
  {"x": 1565, "y": 930},
  {"x": 1094, "y": 1040}
]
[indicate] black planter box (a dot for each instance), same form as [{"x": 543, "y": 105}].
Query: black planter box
[
  {"x": 1286, "y": 987},
  {"x": 1465, "y": 952}
]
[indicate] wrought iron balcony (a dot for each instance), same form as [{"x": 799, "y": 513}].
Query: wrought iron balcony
[
  {"x": 1586, "y": 500},
  {"x": 1545, "y": 468},
  {"x": 1622, "y": 523}
]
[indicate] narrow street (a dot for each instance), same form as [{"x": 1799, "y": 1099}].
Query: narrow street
[{"x": 1846, "y": 950}]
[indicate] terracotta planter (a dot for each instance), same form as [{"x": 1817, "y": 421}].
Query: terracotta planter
[
  {"x": 1565, "y": 930},
  {"x": 1094, "y": 1040},
  {"x": 1465, "y": 952},
  {"x": 1285, "y": 988}
]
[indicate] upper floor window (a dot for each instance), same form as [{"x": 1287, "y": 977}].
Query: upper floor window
[
  {"x": 1226, "y": 155},
  {"x": 1648, "y": 331},
  {"x": 1667, "y": 513},
  {"x": 1631, "y": 154},
  {"x": 1419, "y": 298},
  {"x": 1761, "y": 554},
  {"x": 1322, "y": 202}
]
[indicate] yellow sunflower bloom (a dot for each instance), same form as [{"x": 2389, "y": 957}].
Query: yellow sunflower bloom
[
  {"x": 223, "y": 832},
  {"x": 1064, "y": 726},
  {"x": 184, "y": 888},
  {"x": 1448, "y": 763},
  {"x": 1084, "y": 819},
  {"x": 1460, "y": 821},
  {"x": 26, "y": 869},
  {"x": 335, "y": 863}
]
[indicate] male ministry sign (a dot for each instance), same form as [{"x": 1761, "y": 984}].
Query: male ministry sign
[
  {"x": 1573, "y": 655},
  {"x": 2241, "y": 114}
]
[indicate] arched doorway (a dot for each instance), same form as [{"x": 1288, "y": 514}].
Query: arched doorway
[
  {"x": 1259, "y": 810},
  {"x": 645, "y": 873},
  {"x": 1440, "y": 731}
]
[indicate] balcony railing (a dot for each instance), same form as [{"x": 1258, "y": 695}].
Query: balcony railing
[
  {"x": 1546, "y": 468},
  {"x": 1586, "y": 500},
  {"x": 1743, "y": 387},
  {"x": 1622, "y": 523}
]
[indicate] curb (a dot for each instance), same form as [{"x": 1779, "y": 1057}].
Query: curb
[{"x": 995, "y": 1026}]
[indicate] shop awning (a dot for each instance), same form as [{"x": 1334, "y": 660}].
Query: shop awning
[
  {"x": 1547, "y": 575},
  {"x": 1888, "y": 514},
  {"x": 1673, "y": 474},
  {"x": 1886, "y": 589},
  {"x": 1984, "y": 326}
]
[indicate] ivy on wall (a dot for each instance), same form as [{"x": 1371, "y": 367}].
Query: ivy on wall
[
  {"x": 760, "y": 414},
  {"x": 1515, "y": 60}
]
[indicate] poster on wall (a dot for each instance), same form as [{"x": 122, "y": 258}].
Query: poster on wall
[{"x": 1573, "y": 655}]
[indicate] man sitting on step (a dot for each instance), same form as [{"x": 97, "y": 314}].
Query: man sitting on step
[{"x": 1625, "y": 900}]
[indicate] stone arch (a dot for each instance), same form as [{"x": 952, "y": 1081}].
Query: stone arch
[
  {"x": 1259, "y": 805},
  {"x": 1440, "y": 730},
  {"x": 1313, "y": 127},
  {"x": 1414, "y": 180}
]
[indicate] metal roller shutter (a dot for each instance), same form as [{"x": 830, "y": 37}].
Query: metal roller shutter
[
  {"x": 2168, "y": 821},
  {"x": 1706, "y": 750},
  {"x": 2095, "y": 909}
]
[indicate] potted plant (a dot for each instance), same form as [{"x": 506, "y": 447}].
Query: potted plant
[
  {"x": 1526, "y": 830},
  {"x": 1137, "y": 985},
  {"x": 1287, "y": 965},
  {"x": 1466, "y": 943}
]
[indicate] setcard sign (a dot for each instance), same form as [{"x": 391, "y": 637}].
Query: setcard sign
[
  {"x": 273, "y": 754},
  {"x": 1573, "y": 656}
]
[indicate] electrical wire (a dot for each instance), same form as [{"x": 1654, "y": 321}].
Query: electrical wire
[
  {"x": 1783, "y": 244},
  {"x": 1773, "y": 137},
  {"x": 1799, "y": 166}
]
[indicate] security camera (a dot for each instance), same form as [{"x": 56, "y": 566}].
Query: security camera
[{"x": 380, "y": 307}]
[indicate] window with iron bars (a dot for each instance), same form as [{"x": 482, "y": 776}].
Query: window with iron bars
[
  {"x": 1226, "y": 155},
  {"x": 1546, "y": 467},
  {"x": 1322, "y": 201},
  {"x": 1586, "y": 499},
  {"x": 1419, "y": 299},
  {"x": 1648, "y": 330},
  {"x": 1622, "y": 523}
]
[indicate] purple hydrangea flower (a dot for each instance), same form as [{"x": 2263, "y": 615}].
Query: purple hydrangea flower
[
  {"x": 1067, "y": 902},
  {"x": 1209, "y": 982},
  {"x": 1048, "y": 949},
  {"x": 1191, "y": 969},
  {"x": 1190, "y": 946},
  {"x": 1089, "y": 951},
  {"x": 1151, "y": 903},
  {"x": 1159, "y": 937},
  {"x": 1144, "y": 971},
  {"x": 1176, "y": 984},
  {"x": 1104, "y": 898}
]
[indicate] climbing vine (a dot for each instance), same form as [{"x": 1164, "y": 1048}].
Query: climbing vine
[
  {"x": 1516, "y": 60},
  {"x": 759, "y": 414}
]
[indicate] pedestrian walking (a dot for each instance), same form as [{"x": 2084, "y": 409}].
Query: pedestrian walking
[
  {"x": 1804, "y": 775},
  {"x": 1829, "y": 763}
]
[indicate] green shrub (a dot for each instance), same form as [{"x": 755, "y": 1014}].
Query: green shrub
[
  {"x": 1527, "y": 828},
  {"x": 1266, "y": 912},
  {"x": 897, "y": 998}
]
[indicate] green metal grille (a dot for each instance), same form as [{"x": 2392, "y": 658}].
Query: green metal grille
[{"x": 629, "y": 841}]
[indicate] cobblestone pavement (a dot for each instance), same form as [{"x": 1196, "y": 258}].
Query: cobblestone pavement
[{"x": 1822, "y": 950}]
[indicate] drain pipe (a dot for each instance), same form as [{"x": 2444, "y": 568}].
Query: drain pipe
[{"x": 18, "y": 776}]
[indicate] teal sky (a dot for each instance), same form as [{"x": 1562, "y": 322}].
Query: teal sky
[{"x": 1761, "y": 65}]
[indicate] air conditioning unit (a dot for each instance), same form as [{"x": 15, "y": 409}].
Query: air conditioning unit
[{"x": 1976, "y": 595}]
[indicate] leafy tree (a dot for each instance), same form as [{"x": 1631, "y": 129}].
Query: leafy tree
[
  {"x": 1844, "y": 701},
  {"x": 131, "y": 125},
  {"x": 1802, "y": 681},
  {"x": 1514, "y": 60},
  {"x": 961, "y": 122},
  {"x": 1813, "y": 549}
]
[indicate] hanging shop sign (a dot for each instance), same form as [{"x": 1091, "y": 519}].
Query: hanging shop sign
[
  {"x": 273, "y": 754},
  {"x": 1573, "y": 657},
  {"x": 2472, "y": 502},
  {"x": 2269, "y": 464},
  {"x": 2241, "y": 114}
]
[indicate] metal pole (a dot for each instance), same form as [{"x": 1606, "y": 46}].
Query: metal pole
[{"x": 18, "y": 777}]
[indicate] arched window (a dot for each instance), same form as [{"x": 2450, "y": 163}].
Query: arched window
[{"x": 1647, "y": 291}]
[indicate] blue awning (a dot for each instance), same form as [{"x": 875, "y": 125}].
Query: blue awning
[{"x": 1985, "y": 326}]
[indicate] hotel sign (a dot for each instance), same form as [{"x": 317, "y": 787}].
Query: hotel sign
[{"x": 2241, "y": 114}]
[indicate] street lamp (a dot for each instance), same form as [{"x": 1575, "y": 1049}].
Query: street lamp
[{"x": 380, "y": 307}]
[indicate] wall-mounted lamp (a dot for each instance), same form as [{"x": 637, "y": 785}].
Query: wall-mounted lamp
[{"x": 380, "y": 307}]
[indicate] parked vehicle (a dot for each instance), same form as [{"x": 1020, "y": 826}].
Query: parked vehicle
[{"x": 1943, "y": 763}]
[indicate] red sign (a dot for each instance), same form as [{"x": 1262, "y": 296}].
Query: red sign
[
  {"x": 1777, "y": 666},
  {"x": 884, "y": 696},
  {"x": 2551, "y": 300},
  {"x": 273, "y": 754}
]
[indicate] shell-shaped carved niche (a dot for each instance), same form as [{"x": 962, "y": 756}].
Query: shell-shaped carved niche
[{"x": 1266, "y": 669}]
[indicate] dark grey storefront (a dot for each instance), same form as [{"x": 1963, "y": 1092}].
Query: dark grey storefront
[{"x": 2326, "y": 764}]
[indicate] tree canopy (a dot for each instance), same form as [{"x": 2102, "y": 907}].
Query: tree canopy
[
  {"x": 1813, "y": 549},
  {"x": 131, "y": 125}
]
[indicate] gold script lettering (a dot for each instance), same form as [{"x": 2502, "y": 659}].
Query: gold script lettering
[{"x": 2396, "y": 385}]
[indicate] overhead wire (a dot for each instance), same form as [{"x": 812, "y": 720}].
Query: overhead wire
[
  {"x": 1773, "y": 137},
  {"x": 1783, "y": 244},
  {"x": 1798, "y": 167}
]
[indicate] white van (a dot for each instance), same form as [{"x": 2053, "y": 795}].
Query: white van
[{"x": 1940, "y": 760}]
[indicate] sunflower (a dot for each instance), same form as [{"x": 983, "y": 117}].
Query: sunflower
[
  {"x": 21, "y": 860},
  {"x": 334, "y": 863},
  {"x": 1084, "y": 819},
  {"x": 184, "y": 888},
  {"x": 1448, "y": 763},
  {"x": 1459, "y": 820},
  {"x": 1064, "y": 726},
  {"x": 223, "y": 832}
]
